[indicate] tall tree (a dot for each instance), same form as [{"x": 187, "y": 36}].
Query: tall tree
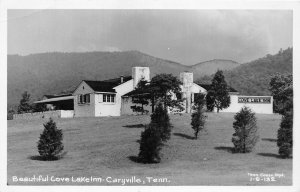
[
  {"x": 209, "y": 101},
  {"x": 141, "y": 96},
  {"x": 162, "y": 87},
  {"x": 281, "y": 87},
  {"x": 25, "y": 105},
  {"x": 218, "y": 95},
  {"x": 198, "y": 116}
]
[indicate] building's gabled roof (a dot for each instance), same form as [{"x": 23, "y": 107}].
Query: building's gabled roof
[
  {"x": 208, "y": 87},
  {"x": 55, "y": 96},
  {"x": 118, "y": 80},
  {"x": 106, "y": 85},
  {"x": 56, "y": 99},
  {"x": 134, "y": 93}
]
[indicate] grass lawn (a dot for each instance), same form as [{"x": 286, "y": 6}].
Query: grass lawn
[{"x": 106, "y": 147}]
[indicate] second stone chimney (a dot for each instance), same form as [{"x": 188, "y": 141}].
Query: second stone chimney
[
  {"x": 139, "y": 73},
  {"x": 187, "y": 82}
]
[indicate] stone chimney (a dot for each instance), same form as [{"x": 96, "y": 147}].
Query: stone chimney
[
  {"x": 139, "y": 73},
  {"x": 122, "y": 79},
  {"x": 187, "y": 82}
]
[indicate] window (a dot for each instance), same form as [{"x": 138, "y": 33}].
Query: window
[
  {"x": 109, "y": 98},
  {"x": 87, "y": 98},
  {"x": 112, "y": 99},
  {"x": 79, "y": 98},
  {"x": 82, "y": 99}
]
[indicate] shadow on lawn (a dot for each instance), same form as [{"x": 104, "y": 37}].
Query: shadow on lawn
[
  {"x": 270, "y": 155},
  {"x": 40, "y": 158},
  {"x": 184, "y": 136},
  {"x": 135, "y": 159},
  {"x": 269, "y": 139},
  {"x": 134, "y": 126},
  {"x": 223, "y": 148}
]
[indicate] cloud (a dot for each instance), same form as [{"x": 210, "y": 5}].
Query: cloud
[{"x": 192, "y": 35}]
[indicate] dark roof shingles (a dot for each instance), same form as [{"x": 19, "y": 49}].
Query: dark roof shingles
[
  {"x": 106, "y": 85},
  {"x": 57, "y": 95}
]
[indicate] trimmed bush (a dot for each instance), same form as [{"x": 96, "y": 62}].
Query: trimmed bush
[
  {"x": 152, "y": 138},
  {"x": 245, "y": 136},
  {"x": 285, "y": 135},
  {"x": 50, "y": 142},
  {"x": 161, "y": 121},
  {"x": 150, "y": 145}
]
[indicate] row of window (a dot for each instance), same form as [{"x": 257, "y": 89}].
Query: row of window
[
  {"x": 84, "y": 98},
  {"x": 107, "y": 98},
  {"x": 110, "y": 98}
]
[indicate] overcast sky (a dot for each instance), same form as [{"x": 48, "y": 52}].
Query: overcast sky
[{"x": 185, "y": 36}]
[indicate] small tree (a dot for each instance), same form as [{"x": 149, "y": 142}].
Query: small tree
[
  {"x": 50, "y": 142},
  {"x": 285, "y": 135},
  {"x": 245, "y": 136},
  {"x": 198, "y": 117},
  {"x": 150, "y": 145},
  {"x": 218, "y": 95},
  {"x": 25, "y": 106},
  {"x": 161, "y": 120}
]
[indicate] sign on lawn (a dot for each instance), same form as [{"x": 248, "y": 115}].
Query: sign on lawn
[{"x": 254, "y": 99}]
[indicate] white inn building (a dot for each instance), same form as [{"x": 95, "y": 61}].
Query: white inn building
[{"x": 113, "y": 97}]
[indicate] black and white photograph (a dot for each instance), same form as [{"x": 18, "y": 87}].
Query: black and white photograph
[{"x": 149, "y": 97}]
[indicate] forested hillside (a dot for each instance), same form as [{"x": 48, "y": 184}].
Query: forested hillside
[{"x": 253, "y": 78}]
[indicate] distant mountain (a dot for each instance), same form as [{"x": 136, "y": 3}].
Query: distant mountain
[
  {"x": 51, "y": 73},
  {"x": 253, "y": 78},
  {"x": 210, "y": 67}
]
